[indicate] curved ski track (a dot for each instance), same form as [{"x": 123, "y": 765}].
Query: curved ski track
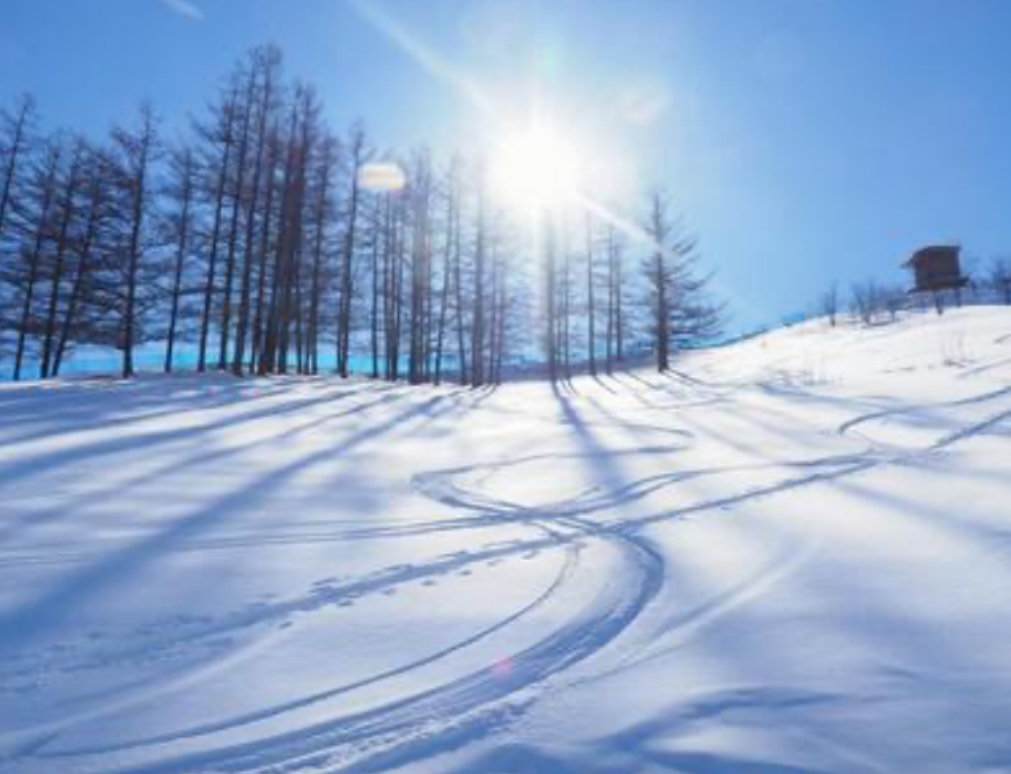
[{"x": 476, "y": 703}]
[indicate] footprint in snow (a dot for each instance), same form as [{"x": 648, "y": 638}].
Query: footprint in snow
[{"x": 321, "y": 582}]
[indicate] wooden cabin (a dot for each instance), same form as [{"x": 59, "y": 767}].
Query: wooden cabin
[{"x": 936, "y": 268}]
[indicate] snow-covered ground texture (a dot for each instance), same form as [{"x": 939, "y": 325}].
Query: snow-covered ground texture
[{"x": 791, "y": 555}]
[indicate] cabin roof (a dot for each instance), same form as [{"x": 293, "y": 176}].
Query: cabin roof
[{"x": 931, "y": 251}]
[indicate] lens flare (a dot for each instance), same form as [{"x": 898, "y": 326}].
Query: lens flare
[{"x": 383, "y": 176}]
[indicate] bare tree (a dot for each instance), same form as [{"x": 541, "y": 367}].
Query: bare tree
[
  {"x": 658, "y": 273},
  {"x": 256, "y": 234},
  {"x": 263, "y": 250},
  {"x": 239, "y": 193},
  {"x": 462, "y": 299},
  {"x": 451, "y": 224},
  {"x": 893, "y": 299},
  {"x": 16, "y": 128},
  {"x": 477, "y": 371},
  {"x": 219, "y": 137},
  {"x": 420, "y": 192},
  {"x": 828, "y": 304},
  {"x": 43, "y": 193},
  {"x": 682, "y": 313},
  {"x": 180, "y": 223},
  {"x": 591, "y": 279},
  {"x": 87, "y": 244},
  {"x": 1000, "y": 278},
  {"x": 357, "y": 154},
  {"x": 866, "y": 301},
  {"x": 265, "y": 65},
  {"x": 133, "y": 153},
  {"x": 322, "y": 216},
  {"x": 65, "y": 215},
  {"x": 550, "y": 296}
]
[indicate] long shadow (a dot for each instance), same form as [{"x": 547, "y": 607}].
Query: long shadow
[
  {"x": 28, "y": 621},
  {"x": 196, "y": 461},
  {"x": 570, "y": 644},
  {"x": 463, "y": 401},
  {"x": 32, "y": 465},
  {"x": 607, "y": 473},
  {"x": 76, "y": 401},
  {"x": 633, "y": 386},
  {"x": 94, "y": 409},
  {"x": 646, "y": 746}
]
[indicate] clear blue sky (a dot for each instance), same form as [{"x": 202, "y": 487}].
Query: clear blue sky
[{"x": 803, "y": 140}]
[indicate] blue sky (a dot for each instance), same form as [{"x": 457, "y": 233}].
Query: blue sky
[{"x": 802, "y": 140}]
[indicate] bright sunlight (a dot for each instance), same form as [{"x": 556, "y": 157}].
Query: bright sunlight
[
  {"x": 537, "y": 168},
  {"x": 505, "y": 386}
]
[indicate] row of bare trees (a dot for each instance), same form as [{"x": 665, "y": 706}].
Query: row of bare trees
[
  {"x": 254, "y": 245},
  {"x": 871, "y": 301}
]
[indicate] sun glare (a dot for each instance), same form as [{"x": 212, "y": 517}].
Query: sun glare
[{"x": 536, "y": 169}]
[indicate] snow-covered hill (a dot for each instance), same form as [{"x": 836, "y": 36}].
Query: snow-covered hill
[{"x": 791, "y": 555}]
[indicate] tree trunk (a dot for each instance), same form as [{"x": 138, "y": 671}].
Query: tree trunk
[
  {"x": 182, "y": 249},
  {"x": 138, "y": 184},
  {"x": 41, "y": 227},
  {"x": 458, "y": 287},
  {"x": 233, "y": 228},
  {"x": 219, "y": 203},
  {"x": 550, "y": 293},
  {"x": 478, "y": 335},
  {"x": 10, "y": 172},
  {"x": 259, "y": 318},
  {"x": 261, "y": 162},
  {"x": 83, "y": 268},
  {"x": 444, "y": 295},
  {"x": 374, "y": 316},
  {"x": 347, "y": 278},
  {"x": 610, "y": 326},
  {"x": 62, "y": 241}
]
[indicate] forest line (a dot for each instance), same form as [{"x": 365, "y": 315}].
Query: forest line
[{"x": 258, "y": 242}]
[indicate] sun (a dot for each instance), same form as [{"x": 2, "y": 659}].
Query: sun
[{"x": 536, "y": 169}]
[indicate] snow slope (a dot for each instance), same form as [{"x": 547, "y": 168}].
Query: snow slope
[{"x": 792, "y": 555}]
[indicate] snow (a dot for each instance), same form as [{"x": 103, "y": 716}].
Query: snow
[{"x": 791, "y": 555}]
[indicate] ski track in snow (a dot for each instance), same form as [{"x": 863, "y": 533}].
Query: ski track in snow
[
  {"x": 481, "y": 701},
  {"x": 574, "y": 642}
]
